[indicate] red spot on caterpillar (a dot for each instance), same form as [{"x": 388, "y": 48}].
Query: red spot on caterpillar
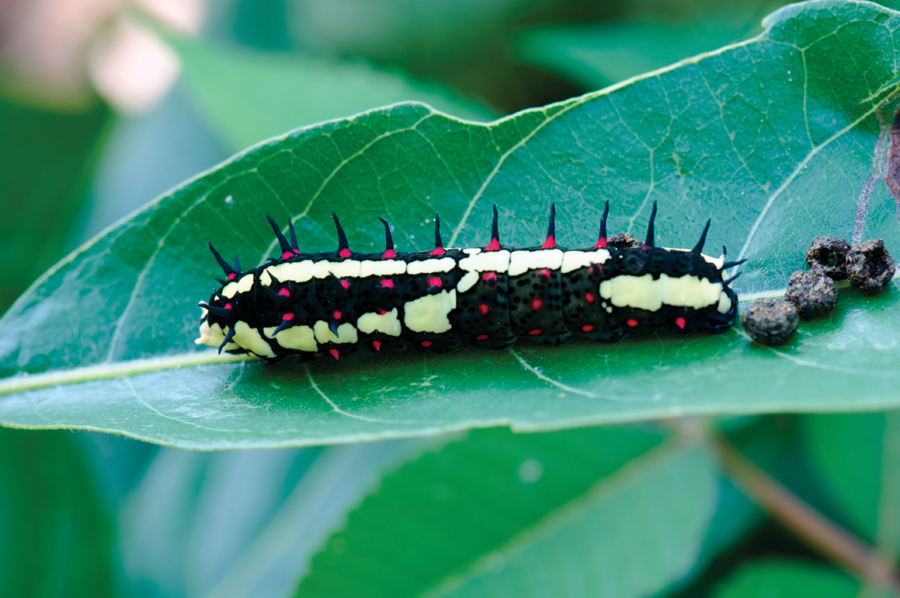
[
  {"x": 287, "y": 317},
  {"x": 337, "y": 314},
  {"x": 601, "y": 243},
  {"x": 481, "y": 337},
  {"x": 335, "y": 353},
  {"x": 646, "y": 248},
  {"x": 344, "y": 253},
  {"x": 587, "y": 328},
  {"x": 484, "y": 307},
  {"x": 426, "y": 343},
  {"x": 493, "y": 246},
  {"x": 387, "y": 283},
  {"x": 231, "y": 276},
  {"x": 345, "y": 284},
  {"x": 680, "y": 322},
  {"x": 543, "y": 273},
  {"x": 227, "y": 306},
  {"x": 284, "y": 292},
  {"x": 381, "y": 312},
  {"x": 437, "y": 251},
  {"x": 534, "y": 332},
  {"x": 377, "y": 345},
  {"x": 589, "y": 297},
  {"x": 388, "y": 253},
  {"x": 550, "y": 243},
  {"x": 536, "y": 304},
  {"x": 631, "y": 323},
  {"x": 489, "y": 276},
  {"x": 434, "y": 282},
  {"x": 287, "y": 254}
]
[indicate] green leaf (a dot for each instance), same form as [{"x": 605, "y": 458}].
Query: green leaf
[
  {"x": 248, "y": 96},
  {"x": 757, "y": 136},
  {"x": 597, "y": 55},
  {"x": 56, "y": 538},
  {"x": 501, "y": 511},
  {"x": 45, "y": 157},
  {"x": 767, "y": 442},
  {"x": 857, "y": 457},
  {"x": 788, "y": 580},
  {"x": 279, "y": 505}
]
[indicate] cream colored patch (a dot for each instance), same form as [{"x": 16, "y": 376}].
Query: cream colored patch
[
  {"x": 643, "y": 292},
  {"x": 388, "y": 323},
  {"x": 467, "y": 282},
  {"x": 210, "y": 335},
  {"x": 345, "y": 269},
  {"x": 346, "y": 333},
  {"x": 430, "y": 313},
  {"x": 299, "y": 338},
  {"x": 489, "y": 261},
  {"x": 522, "y": 261},
  {"x": 250, "y": 339},
  {"x": 241, "y": 286},
  {"x": 690, "y": 291},
  {"x": 288, "y": 272},
  {"x": 472, "y": 251},
  {"x": 445, "y": 264},
  {"x": 382, "y": 268},
  {"x": 575, "y": 260},
  {"x": 724, "y": 303},
  {"x": 715, "y": 261}
]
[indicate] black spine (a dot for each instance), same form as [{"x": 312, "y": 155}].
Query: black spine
[
  {"x": 343, "y": 245},
  {"x": 438, "y": 243},
  {"x": 285, "y": 246},
  {"x": 388, "y": 239},
  {"x": 650, "y": 227}
]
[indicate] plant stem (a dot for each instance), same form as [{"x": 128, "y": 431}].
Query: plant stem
[{"x": 819, "y": 532}]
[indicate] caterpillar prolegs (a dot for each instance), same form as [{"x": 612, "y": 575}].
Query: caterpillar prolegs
[{"x": 336, "y": 302}]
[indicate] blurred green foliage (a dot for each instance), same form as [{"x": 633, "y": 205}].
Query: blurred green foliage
[{"x": 488, "y": 513}]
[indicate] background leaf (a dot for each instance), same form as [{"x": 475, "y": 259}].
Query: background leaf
[
  {"x": 475, "y": 516},
  {"x": 57, "y": 517},
  {"x": 857, "y": 457},
  {"x": 788, "y": 580},
  {"x": 248, "y": 96},
  {"x": 46, "y": 155},
  {"x": 597, "y": 55},
  {"x": 755, "y": 135}
]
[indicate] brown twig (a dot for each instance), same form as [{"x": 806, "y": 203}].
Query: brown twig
[
  {"x": 892, "y": 174},
  {"x": 820, "y": 533}
]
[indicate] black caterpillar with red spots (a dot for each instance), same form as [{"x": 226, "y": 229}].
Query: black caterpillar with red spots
[{"x": 336, "y": 302}]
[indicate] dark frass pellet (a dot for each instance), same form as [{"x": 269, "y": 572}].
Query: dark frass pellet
[
  {"x": 870, "y": 267},
  {"x": 828, "y": 255},
  {"x": 770, "y": 321},
  {"x": 623, "y": 240},
  {"x": 812, "y": 293}
]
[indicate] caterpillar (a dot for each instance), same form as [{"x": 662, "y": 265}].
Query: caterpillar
[{"x": 309, "y": 304}]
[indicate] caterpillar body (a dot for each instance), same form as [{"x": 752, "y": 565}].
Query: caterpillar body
[{"x": 309, "y": 304}]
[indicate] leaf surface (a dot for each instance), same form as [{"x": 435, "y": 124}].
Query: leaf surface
[
  {"x": 248, "y": 96},
  {"x": 857, "y": 456},
  {"x": 536, "y": 515},
  {"x": 599, "y": 54},
  {"x": 49, "y": 507},
  {"x": 788, "y": 580},
  {"x": 758, "y": 136}
]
